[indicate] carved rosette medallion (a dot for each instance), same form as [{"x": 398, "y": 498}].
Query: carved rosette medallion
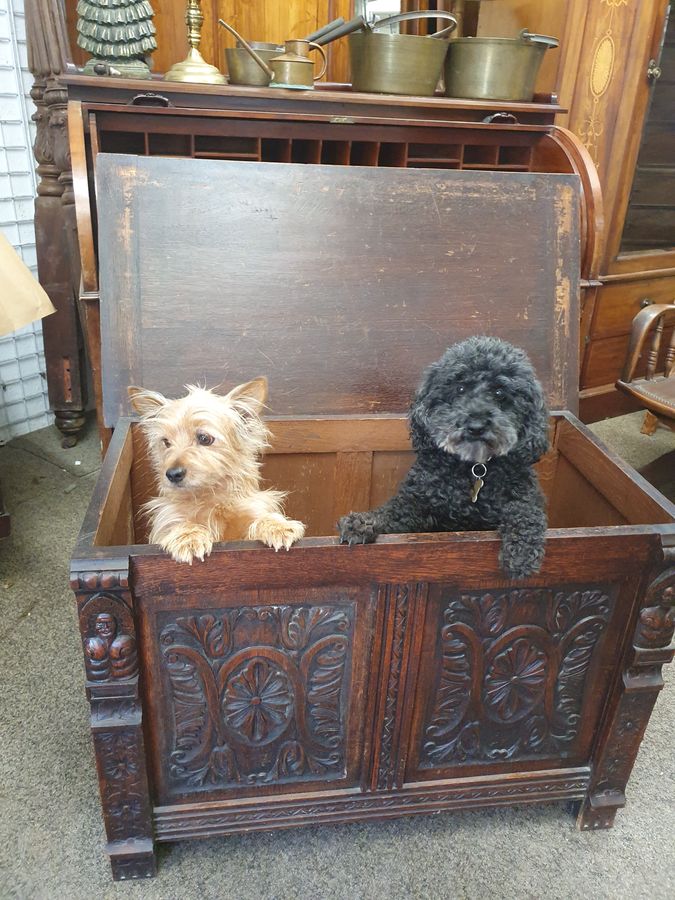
[
  {"x": 258, "y": 695},
  {"x": 512, "y": 673},
  {"x": 515, "y": 680},
  {"x": 258, "y": 702}
]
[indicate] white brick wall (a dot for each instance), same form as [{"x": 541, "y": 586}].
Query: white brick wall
[{"x": 23, "y": 387}]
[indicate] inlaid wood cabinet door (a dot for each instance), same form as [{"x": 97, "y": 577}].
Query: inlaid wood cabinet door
[
  {"x": 512, "y": 675},
  {"x": 261, "y": 691}
]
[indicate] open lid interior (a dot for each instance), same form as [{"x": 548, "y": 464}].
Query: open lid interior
[{"x": 340, "y": 284}]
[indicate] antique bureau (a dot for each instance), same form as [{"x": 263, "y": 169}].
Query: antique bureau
[
  {"x": 403, "y": 677},
  {"x": 332, "y": 126}
]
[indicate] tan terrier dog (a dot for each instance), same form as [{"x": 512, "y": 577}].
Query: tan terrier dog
[{"x": 206, "y": 451}]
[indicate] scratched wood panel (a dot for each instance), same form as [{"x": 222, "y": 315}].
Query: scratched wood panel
[{"x": 339, "y": 284}]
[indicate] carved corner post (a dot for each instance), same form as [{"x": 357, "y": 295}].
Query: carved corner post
[
  {"x": 641, "y": 682},
  {"x": 58, "y": 268},
  {"x": 105, "y": 612}
]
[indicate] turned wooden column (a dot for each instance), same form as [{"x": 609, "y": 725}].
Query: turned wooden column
[{"x": 58, "y": 262}]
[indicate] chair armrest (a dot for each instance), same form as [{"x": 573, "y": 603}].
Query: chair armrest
[{"x": 642, "y": 323}]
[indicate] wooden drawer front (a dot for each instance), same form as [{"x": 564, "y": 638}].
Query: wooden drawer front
[
  {"x": 618, "y": 304},
  {"x": 517, "y": 675},
  {"x": 259, "y": 693}
]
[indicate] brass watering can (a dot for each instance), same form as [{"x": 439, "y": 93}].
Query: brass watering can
[{"x": 291, "y": 69}]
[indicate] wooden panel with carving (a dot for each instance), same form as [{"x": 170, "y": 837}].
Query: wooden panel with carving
[
  {"x": 511, "y": 675},
  {"x": 261, "y": 692},
  {"x": 106, "y": 619}
]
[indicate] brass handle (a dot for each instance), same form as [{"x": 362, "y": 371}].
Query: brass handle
[
  {"x": 149, "y": 99},
  {"x": 325, "y": 29},
  {"x": 645, "y": 302},
  {"x": 653, "y": 71},
  {"x": 421, "y": 14},
  {"x": 325, "y": 61},
  {"x": 501, "y": 118},
  {"x": 531, "y": 38}
]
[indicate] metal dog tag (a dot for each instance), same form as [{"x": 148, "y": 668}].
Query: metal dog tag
[{"x": 479, "y": 482}]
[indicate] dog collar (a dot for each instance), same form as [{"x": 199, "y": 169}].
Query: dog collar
[{"x": 479, "y": 479}]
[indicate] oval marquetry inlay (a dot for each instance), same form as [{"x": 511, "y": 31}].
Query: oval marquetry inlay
[{"x": 602, "y": 66}]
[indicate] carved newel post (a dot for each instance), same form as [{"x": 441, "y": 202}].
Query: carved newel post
[{"x": 58, "y": 268}]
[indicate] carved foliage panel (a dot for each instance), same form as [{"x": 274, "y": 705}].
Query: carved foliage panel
[
  {"x": 124, "y": 794},
  {"x": 256, "y": 695},
  {"x": 510, "y": 673}
]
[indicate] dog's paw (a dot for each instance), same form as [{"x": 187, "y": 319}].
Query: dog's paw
[
  {"x": 520, "y": 560},
  {"x": 356, "y": 528},
  {"x": 277, "y": 532},
  {"x": 193, "y": 543}
]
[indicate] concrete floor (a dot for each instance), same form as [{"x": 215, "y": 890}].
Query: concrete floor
[{"x": 51, "y": 835}]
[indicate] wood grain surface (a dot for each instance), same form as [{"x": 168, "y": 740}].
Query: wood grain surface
[{"x": 340, "y": 285}]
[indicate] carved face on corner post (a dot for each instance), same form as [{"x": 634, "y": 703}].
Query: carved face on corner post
[{"x": 105, "y": 626}]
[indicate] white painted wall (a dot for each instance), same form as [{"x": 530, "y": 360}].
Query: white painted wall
[{"x": 23, "y": 387}]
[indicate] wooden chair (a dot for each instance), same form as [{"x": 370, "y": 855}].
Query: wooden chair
[{"x": 655, "y": 391}]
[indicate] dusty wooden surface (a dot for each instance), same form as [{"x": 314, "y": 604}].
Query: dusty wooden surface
[{"x": 340, "y": 285}]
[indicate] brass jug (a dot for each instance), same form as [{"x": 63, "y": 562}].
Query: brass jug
[
  {"x": 291, "y": 69},
  {"x": 294, "y": 69}
]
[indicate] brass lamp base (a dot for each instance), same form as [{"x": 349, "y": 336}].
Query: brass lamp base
[{"x": 194, "y": 68}]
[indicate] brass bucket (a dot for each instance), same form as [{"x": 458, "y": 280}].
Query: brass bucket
[
  {"x": 480, "y": 68},
  {"x": 399, "y": 63},
  {"x": 243, "y": 69}
]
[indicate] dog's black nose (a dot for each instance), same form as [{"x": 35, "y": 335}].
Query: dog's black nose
[
  {"x": 175, "y": 475},
  {"x": 476, "y": 429}
]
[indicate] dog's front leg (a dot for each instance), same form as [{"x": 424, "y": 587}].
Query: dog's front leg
[
  {"x": 185, "y": 542},
  {"x": 400, "y": 515},
  {"x": 523, "y": 534},
  {"x": 359, "y": 527},
  {"x": 275, "y": 530}
]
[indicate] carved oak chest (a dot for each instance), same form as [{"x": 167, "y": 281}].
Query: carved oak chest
[{"x": 332, "y": 684}]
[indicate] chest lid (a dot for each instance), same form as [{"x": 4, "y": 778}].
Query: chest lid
[{"x": 340, "y": 284}]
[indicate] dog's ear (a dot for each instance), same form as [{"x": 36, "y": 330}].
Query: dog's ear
[
  {"x": 249, "y": 398},
  {"x": 145, "y": 403},
  {"x": 419, "y": 433},
  {"x": 535, "y": 440}
]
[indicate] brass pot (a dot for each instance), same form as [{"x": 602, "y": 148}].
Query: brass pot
[
  {"x": 243, "y": 69},
  {"x": 289, "y": 67},
  {"x": 399, "y": 63},
  {"x": 479, "y": 68}
]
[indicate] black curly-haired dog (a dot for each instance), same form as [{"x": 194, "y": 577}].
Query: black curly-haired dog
[{"x": 479, "y": 411}]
